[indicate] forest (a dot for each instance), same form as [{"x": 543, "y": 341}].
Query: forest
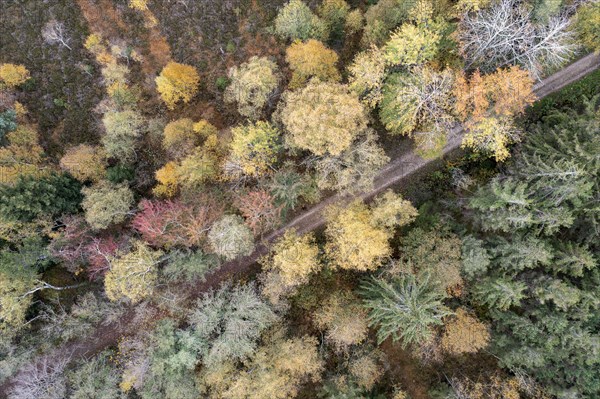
[{"x": 312, "y": 199}]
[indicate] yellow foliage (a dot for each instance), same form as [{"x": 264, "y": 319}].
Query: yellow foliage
[
  {"x": 366, "y": 370},
  {"x": 94, "y": 44},
  {"x": 491, "y": 135},
  {"x": 390, "y": 210},
  {"x": 20, "y": 110},
  {"x": 85, "y": 163},
  {"x": 204, "y": 129},
  {"x": 13, "y": 75},
  {"x": 177, "y": 82},
  {"x": 22, "y": 156},
  {"x": 276, "y": 371},
  {"x": 411, "y": 45},
  {"x": 255, "y": 146},
  {"x": 168, "y": 180},
  {"x": 180, "y": 137},
  {"x": 366, "y": 75},
  {"x": 294, "y": 257},
  {"x": 311, "y": 60},
  {"x": 323, "y": 118},
  {"x": 344, "y": 319},
  {"x": 352, "y": 241},
  {"x": 140, "y": 5},
  {"x": 464, "y": 334},
  {"x": 133, "y": 276}
]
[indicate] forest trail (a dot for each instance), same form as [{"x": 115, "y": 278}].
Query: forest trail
[{"x": 398, "y": 169}]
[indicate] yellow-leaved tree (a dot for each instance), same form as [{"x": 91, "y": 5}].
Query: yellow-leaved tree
[
  {"x": 13, "y": 75},
  {"x": 294, "y": 257},
  {"x": 133, "y": 275},
  {"x": 177, "y": 82},
  {"x": 357, "y": 236},
  {"x": 311, "y": 59},
  {"x": 85, "y": 162},
  {"x": 255, "y": 146},
  {"x": 23, "y": 156},
  {"x": 324, "y": 118},
  {"x": 344, "y": 319}
]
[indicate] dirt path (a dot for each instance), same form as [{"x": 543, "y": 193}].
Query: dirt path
[{"x": 397, "y": 170}]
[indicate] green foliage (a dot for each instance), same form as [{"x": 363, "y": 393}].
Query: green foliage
[
  {"x": 119, "y": 174},
  {"x": 31, "y": 198},
  {"x": 334, "y": 13},
  {"x": 411, "y": 45},
  {"x": 8, "y": 122},
  {"x": 189, "y": 266},
  {"x": 500, "y": 292},
  {"x": 553, "y": 181},
  {"x": 172, "y": 357},
  {"x": 288, "y": 188},
  {"x": 255, "y": 146},
  {"x": 227, "y": 324},
  {"x": 295, "y": 21},
  {"x": 587, "y": 25},
  {"x": 475, "y": 257},
  {"x": 96, "y": 378},
  {"x": 405, "y": 308}
]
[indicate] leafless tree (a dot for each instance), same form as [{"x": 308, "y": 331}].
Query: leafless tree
[
  {"x": 43, "y": 379},
  {"x": 54, "y": 32},
  {"x": 505, "y": 34}
]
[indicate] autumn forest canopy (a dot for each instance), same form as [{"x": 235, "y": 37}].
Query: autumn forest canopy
[{"x": 272, "y": 199}]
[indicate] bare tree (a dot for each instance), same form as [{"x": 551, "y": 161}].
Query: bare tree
[
  {"x": 504, "y": 34},
  {"x": 54, "y": 32},
  {"x": 41, "y": 380}
]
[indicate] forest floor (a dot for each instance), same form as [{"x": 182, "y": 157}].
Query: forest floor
[{"x": 400, "y": 169}]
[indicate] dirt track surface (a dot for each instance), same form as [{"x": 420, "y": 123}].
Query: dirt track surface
[{"x": 396, "y": 171}]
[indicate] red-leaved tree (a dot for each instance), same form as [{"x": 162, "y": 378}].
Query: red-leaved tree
[{"x": 259, "y": 210}]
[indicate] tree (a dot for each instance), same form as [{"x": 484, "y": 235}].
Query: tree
[
  {"x": 295, "y": 21},
  {"x": 344, "y": 320},
  {"x": 334, "y": 14},
  {"x": 411, "y": 45},
  {"x": 230, "y": 238},
  {"x": 405, "y": 308},
  {"x": 228, "y": 323},
  {"x": 491, "y": 136},
  {"x": 41, "y": 380},
  {"x": 436, "y": 252},
  {"x": 311, "y": 59},
  {"x": 276, "y": 371},
  {"x": 174, "y": 223},
  {"x": 180, "y": 138},
  {"x": 54, "y": 32},
  {"x": 105, "y": 204},
  {"x": 500, "y": 292},
  {"x": 366, "y": 75},
  {"x": 168, "y": 180},
  {"x": 122, "y": 130},
  {"x": 295, "y": 258},
  {"x": 382, "y": 18},
  {"x": 389, "y": 210},
  {"x": 95, "y": 378},
  {"x": 13, "y": 75},
  {"x": 587, "y": 25},
  {"x": 31, "y": 198},
  {"x": 133, "y": 276},
  {"x": 352, "y": 241},
  {"x": 165, "y": 366},
  {"x": 189, "y": 266},
  {"x": 8, "y": 122},
  {"x": 355, "y": 169},
  {"x": 85, "y": 163},
  {"x": 464, "y": 333},
  {"x": 177, "y": 82},
  {"x": 289, "y": 187},
  {"x": 366, "y": 370},
  {"x": 199, "y": 167},
  {"x": 252, "y": 85},
  {"x": 419, "y": 100},
  {"x": 23, "y": 156},
  {"x": 504, "y": 35},
  {"x": 259, "y": 210},
  {"x": 255, "y": 147},
  {"x": 323, "y": 118}
]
